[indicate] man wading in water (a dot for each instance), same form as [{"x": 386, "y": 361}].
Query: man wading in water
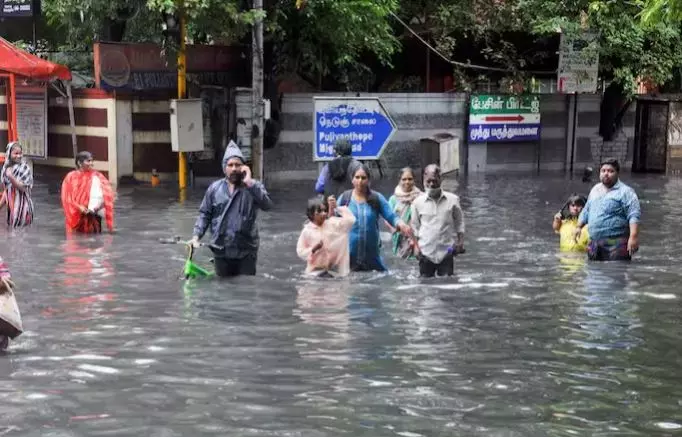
[
  {"x": 438, "y": 226},
  {"x": 336, "y": 176},
  {"x": 612, "y": 214},
  {"x": 230, "y": 208}
]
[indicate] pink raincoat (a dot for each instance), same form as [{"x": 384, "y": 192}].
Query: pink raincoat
[{"x": 333, "y": 257}]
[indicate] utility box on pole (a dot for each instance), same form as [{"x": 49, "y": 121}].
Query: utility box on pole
[{"x": 187, "y": 125}]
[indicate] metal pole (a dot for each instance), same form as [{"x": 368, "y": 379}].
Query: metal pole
[
  {"x": 257, "y": 92},
  {"x": 182, "y": 86},
  {"x": 575, "y": 128},
  {"x": 14, "y": 133},
  {"x": 72, "y": 119}
]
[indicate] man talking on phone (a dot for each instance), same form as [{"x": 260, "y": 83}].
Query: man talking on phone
[{"x": 230, "y": 208}]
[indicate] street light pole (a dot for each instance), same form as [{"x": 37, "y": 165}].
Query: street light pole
[
  {"x": 182, "y": 86},
  {"x": 257, "y": 91}
]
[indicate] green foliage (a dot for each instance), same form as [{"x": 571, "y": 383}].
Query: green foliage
[
  {"x": 78, "y": 23},
  {"x": 211, "y": 21},
  {"x": 628, "y": 48},
  {"x": 338, "y": 42},
  {"x": 658, "y": 11},
  {"x": 329, "y": 37}
]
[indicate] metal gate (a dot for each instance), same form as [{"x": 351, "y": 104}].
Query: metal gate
[{"x": 651, "y": 136}]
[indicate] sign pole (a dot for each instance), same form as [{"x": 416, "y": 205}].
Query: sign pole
[
  {"x": 182, "y": 84},
  {"x": 574, "y": 129}
]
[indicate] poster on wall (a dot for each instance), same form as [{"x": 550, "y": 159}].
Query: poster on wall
[
  {"x": 32, "y": 120},
  {"x": 504, "y": 118}
]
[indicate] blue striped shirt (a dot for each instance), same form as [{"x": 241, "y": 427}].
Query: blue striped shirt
[{"x": 609, "y": 212}]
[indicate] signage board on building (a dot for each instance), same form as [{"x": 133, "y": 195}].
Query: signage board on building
[
  {"x": 578, "y": 63},
  {"x": 133, "y": 66},
  {"x": 32, "y": 120},
  {"x": 364, "y": 122},
  {"x": 504, "y": 118},
  {"x": 17, "y": 8}
]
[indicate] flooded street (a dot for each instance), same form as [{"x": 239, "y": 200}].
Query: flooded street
[{"x": 523, "y": 341}]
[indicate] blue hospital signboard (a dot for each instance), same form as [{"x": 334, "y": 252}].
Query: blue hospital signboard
[
  {"x": 504, "y": 118},
  {"x": 364, "y": 122}
]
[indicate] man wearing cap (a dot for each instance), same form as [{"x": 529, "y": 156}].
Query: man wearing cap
[{"x": 230, "y": 208}]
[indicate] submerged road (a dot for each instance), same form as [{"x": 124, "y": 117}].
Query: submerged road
[{"x": 523, "y": 341}]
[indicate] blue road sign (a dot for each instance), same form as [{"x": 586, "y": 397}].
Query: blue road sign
[{"x": 364, "y": 122}]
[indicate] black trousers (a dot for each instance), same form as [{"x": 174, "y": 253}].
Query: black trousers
[
  {"x": 230, "y": 267},
  {"x": 428, "y": 269}
]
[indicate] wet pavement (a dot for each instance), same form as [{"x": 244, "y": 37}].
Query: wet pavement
[{"x": 523, "y": 341}]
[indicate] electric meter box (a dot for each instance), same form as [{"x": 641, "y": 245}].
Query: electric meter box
[{"x": 187, "y": 125}]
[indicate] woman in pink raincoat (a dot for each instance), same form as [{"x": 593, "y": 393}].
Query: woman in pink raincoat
[{"x": 323, "y": 243}]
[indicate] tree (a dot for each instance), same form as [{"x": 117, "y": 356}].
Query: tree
[
  {"x": 656, "y": 11},
  {"x": 322, "y": 40},
  {"x": 484, "y": 38},
  {"x": 79, "y": 23},
  {"x": 326, "y": 39},
  {"x": 628, "y": 49}
]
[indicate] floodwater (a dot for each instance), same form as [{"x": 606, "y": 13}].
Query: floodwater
[{"x": 522, "y": 341}]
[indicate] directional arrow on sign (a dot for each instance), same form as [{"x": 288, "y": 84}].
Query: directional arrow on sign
[
  {"x": 502, "y": 118},
  {"x": 363, "y": 120}
]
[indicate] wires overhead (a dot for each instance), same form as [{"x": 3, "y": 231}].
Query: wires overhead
[{"x": 463, "y": 64}]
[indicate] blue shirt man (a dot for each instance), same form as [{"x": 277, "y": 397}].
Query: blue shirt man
[{"x": 613, "y": 214}]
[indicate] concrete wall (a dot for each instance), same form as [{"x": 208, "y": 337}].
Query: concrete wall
[
  {"x": 151, "y": 139},
  {"x": 416, "y": 115},
  {"x": 94, "y": 115},
  {"x": 129, "y": 135},
  {"x": 124, "y": 139},
  {"x": 422, "y": 115}
]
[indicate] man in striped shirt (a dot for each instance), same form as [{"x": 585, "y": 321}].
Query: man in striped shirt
[{"x": 612, "y": 214}]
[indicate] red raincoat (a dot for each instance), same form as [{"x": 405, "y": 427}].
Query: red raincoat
[{"x": 76, "y": 192}]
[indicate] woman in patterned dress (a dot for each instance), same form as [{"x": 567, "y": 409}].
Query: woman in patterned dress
[{"x": 17, "y": 179}]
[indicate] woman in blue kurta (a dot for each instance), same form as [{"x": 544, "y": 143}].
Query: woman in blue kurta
[{"x": 368, "y": 207}]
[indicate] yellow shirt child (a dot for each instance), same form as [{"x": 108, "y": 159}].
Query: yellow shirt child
[
  {"x": 565, "y": 227},
  {"x": 567, "y": 236}
]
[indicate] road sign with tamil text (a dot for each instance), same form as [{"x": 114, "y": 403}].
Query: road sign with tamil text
[
  {"x": 504, "y": 118},
  {"x": 364, "y": 122}
]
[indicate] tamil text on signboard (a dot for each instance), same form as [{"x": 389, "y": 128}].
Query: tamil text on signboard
[
  {"x": 32, "y": 120},
  {"x": 578, "y": 63},
  {"x": 498, "y": 118},
  {"x": 364, "y": 122}
]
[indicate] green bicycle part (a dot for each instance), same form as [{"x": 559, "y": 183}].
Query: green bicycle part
[{"x": 193, "y": 270}]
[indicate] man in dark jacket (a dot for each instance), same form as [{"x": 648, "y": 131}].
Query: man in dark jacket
[
  {"x": 230, "y": 209},
  {"x": 336, "y": 176}
]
